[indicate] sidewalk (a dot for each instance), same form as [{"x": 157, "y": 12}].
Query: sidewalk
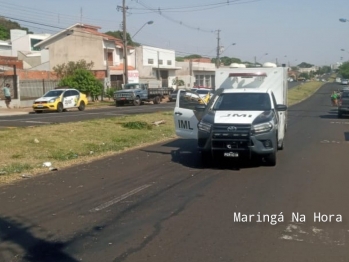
[{"x": 15, "y": 111}]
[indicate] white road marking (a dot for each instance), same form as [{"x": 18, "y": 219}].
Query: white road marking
[
  {"x": 79, "y": 114},
  {"x": 340, "y": 123},
  {"x": 111, "y": 114},
  {"x": 314, "y": 235},
  {"x": 332, "y": 142},
  {"x": 120, "y": 198},
  {"x": 39, "y": 122}
]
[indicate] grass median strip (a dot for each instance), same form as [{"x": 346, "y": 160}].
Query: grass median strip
[
  {"x": 302, "y": 92},
  {"x": 24, "y": 150}
]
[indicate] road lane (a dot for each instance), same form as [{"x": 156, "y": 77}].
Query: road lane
[
  {"x": 185, "y": 210},
  {"x": 74, "y": 115}
]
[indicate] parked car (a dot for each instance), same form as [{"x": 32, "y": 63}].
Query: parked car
[
  {"x": 173, "y": 96},
  {"x": 345, "y": 81},
  {"x": 60, "y": 100},
  {"x": 343, "y": 105}
]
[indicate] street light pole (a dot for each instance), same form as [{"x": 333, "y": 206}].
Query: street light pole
[
  {"x": 147, "y": 23},
  {"x": 218, "y": 49},
  {"x": 125, "y": 42}
]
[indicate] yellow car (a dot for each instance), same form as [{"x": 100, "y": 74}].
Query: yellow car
[{"x": 60, "y": 100}]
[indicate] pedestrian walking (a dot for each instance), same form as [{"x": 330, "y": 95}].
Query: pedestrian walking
[
  {"x": 334, "y": 98},
  {"x": 7, "y": 95}
]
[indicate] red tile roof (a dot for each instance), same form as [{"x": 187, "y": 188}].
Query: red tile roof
[{"x": 94, "y": 30}]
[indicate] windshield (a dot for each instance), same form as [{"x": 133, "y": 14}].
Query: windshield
[
  {"x": 53, "y": 93},
  {"x": 131, "y": 86},
  {"x": 243, "y": 102}
]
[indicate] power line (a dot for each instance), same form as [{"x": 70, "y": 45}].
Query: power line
[{"x": 194, "y": 8}]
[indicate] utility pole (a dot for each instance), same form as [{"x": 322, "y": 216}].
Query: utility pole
[
  {"x": 124, "y": 39},
  {"x": 218, "y": 49}
]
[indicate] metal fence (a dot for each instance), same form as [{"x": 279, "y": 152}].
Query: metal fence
[{"x": 33, "y": 89}]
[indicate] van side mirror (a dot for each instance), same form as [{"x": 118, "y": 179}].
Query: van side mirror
[{"x": 281, "y": 107}]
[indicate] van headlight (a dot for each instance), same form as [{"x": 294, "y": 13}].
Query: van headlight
[
  {"x": 204, "y": 127},
  {"x": 262, "y": 128}
]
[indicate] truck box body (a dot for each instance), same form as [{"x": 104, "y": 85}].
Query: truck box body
[
  {"x": 246, "y": 116},
  {"x": 274, "y": 79}
]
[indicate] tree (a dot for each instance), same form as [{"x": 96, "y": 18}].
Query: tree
[
  {"x": 192, "y": 56},
  {"x": 179, "y": 59},
  {"x": 7, "y": 25},
  {"x": 84, "y": 81},
  {"x": 344, "y": 70},
  {"x": 178, "y": 82},
  {"x": 120, "y": 35},
  {"x": 64, "y": 70},
  {"x": 227, "y": 60},
  {"x": 304, "y": 75},
  {"x": 305, "y": 65}
]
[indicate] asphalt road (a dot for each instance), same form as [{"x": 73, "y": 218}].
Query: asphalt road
[
  {"x": 160, "y": 203},
  {"x": 74, "y": 115}
]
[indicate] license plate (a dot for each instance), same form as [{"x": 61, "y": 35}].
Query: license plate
[
  {"x": 231, "y": 154},
  {"x": 123, "y": 98},
  {"x": 39, "y": 106}
]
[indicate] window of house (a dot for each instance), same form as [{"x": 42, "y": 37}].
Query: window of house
[
  {"x": 160, "y": 62},
  {"x": 150, "y": 61},
  {"x": 169, "y": 62},
  {"x": 34, "y": 42}
]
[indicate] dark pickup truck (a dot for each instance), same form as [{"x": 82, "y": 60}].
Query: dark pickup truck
[
  {"x": 138, "y": 93},
  {"x": 343, "y": 104}
]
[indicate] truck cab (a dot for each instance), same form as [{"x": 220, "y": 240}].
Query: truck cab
[{"x": 132, "y": 94}]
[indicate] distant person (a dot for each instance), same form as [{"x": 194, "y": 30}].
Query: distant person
[
  {"x": 334, "y": 98},
  {"x": 7, "y": 95}
]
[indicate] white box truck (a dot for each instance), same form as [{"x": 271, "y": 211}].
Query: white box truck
[{"x": 246, "y": 116}]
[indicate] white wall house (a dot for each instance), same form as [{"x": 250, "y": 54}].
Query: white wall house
[
  {"x": 156, "y": 64},
  {"x": 23, "y": 47},
  {"x": 5, "y": 48},
  {"x": 200, "y": 74},
  {"x": 21, "y": 41}
]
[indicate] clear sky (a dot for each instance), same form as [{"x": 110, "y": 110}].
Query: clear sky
[{"x": 289, "y": 31}]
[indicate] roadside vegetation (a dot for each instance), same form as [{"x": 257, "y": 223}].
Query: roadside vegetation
[
  {"x": 64, "y": 145},
  {"x": 72, "y": 143},
  {"x": 302, "y": 92}
]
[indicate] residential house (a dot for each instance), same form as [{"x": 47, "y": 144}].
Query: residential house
[
  {"x": 156, "y": 66},
  {"x": 5, "y": 48},
  {"x": 197, "y": 72},
  {"x": 308, "y": 70},
  {"x": 81, "y": 41},
  {"x": 23, "y": 47}
]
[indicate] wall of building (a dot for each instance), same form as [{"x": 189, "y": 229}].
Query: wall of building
[
  {"x": 153, "y": 56},
  {"x": 145, "y": 71},
  {"x": 5, "y": 50},
  {"x": 28, "y": 60},
  {"x": 11, "y": 61},
  {"x": 78, "y": 46}
]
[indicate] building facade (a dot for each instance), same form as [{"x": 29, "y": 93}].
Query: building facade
[{"x": 156, "y": 66}]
